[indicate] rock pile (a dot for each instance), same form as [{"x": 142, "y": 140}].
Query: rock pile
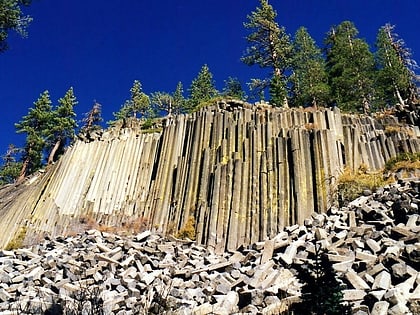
[{"x": 373, "y": 244}]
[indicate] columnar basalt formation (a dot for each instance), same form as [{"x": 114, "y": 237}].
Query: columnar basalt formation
[
  {"x": 372, "y": 245},
  {"x": 239, "y": 172}
]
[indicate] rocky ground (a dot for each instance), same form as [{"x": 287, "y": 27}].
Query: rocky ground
[{"x": 373, "y": 244}]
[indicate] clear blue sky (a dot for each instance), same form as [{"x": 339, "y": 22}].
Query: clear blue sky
[{"x": 101, "y": 47}]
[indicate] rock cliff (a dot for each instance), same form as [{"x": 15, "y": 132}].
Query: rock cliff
[{"x": 238, "y": 173}]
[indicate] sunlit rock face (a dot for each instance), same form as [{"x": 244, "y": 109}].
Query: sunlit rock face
[{"x": 238, "y": 173}]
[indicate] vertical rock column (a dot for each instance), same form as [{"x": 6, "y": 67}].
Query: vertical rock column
[{"x": 302, "y": 169}]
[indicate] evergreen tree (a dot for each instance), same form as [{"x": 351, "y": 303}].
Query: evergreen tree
[
  {"x": 162, "y": 101},
  {"x": 12, "y": 18},
  {"x": 350, "y": 67},
  {"x": 202, "y": 88},
  {"x": 179, "y": 101},
  {"x": 139, "y": 102},
  {"x": 322, "y": 293},
  {"x": 397, "y": 79},
  {"x": 309, "y": 78},
  {"x": 11, "y": 167},
  {"x": 233, "y": 88},
  {"x": 270, "y": 48},
  {"x": 257, "y": 88},
  {"x": 171, "y": 103},
  {"x": 62, "y": 128},
  {"x": 92, "y": 119},
  {"x": 36, "y": 125}
]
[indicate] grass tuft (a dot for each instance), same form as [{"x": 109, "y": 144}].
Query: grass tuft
[
  {"x": 352, "y": 184},
  {"x": 188, "y": 231},
  {"x": 406, "y": 161}
]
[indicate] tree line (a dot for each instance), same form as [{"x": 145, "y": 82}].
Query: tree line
[
  {"x": 49, "y": 128},
  {"x": 343, "y": 73}
]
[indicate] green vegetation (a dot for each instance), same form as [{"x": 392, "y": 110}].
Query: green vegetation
[
  {"x": 18, "y": 239},
  {"x": 344, "y": 73},
  {"x": 202, "y": 89},
  {"x": 92, "y": 119},
  {"x": 309, "y": 78},
  {"x": 36, "y": 125},
  {"x": 396, "y": 78},
  {"x": 352, "y": 184},
  {"x": 350, "y": 67},
  {"x": 10, "y": 169},
  {"x": 270, "y": 47},
  {"x": 47, "y": 129},
  {"x": 404, "y": 161},
  {"x": 233, "y": 89},
  {"x": 12, "y": 19},
  {"x": 321, "y": 293},
  {"x": 61, "y": 126},
  {"x": 188, "y": 231},
  {"x": 139, "y": 103},
  {"x": 174, "y": 103}
]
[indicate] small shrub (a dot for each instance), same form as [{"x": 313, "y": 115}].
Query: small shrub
[
  {"x": 130, "y": 226},
  {"x": 407, "y": 161},
  {"x": 148, "y": 124},
  {"x": 352, "y": 184},
  {"x": 18, "y": 240},
  {"x": 85, "y": 301},
  {"x": 188, "y": 231},
  {"x": 395, "y": 129}
]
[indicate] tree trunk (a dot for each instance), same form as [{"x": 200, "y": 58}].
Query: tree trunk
[
  {"x": 399, "y": 97},
  {"x": 54, "y": 151},
  {"x": 23, "y": 171}
]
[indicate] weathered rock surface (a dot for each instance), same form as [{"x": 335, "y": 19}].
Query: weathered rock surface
[
  {"x": 374, "y": 255},
  {"x": 242, "y": 172}
]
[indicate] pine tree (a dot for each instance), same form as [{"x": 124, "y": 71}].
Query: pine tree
[
  {"x": 397, "y": 79},
  {"x": 62, "y": 128},
  {"x": 11, "y": 167},
  {"x": 202, "y": 88},
  {"x": 12, "y": 18},
  {"x": 233, "y": 88},
  {"x": 350, "y": 67},
  {"x": 92, "y": 119},
  {"x": 162, "y": 101},
  {"x": 36, "y": 125},
  {"x": 139, "y": 102},
  {"x": 179, "y": 103},
  {"x": 309, "y": 78},
  {"x": 171, "y": 103},
  {"x": 270, "y": 48},
  {"x": 321, "y": 293}
]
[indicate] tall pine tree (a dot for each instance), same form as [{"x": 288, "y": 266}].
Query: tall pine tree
[
  {"x": 397, "y": 79},
  {"x": 36, "y": 125},
  {"x": 202, "y": 88},
  {"x": 269, "y": 48},
  {"x": 11, "y": 167},
  {"x": 62, "y": 129},
  {"x": 139, "y": 102},
  {"x": 171, "y": 103},
  {"x": 309, "y": 78},
  {"x": 350, "y": 66},
  {"x": 92, "y": 119},
  {"x": 180, "y": 103},
  {"x": 12, "y": 18},
  {"x": 233, "y": 88}
]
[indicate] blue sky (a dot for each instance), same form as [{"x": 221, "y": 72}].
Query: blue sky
[{"x": 100, "y": 47}]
